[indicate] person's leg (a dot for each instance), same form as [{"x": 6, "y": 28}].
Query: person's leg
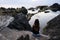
[{"x": 38, "y": 36}]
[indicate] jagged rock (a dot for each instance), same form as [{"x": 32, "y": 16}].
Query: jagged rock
[
  {"x": 21, "y": 38},
  {"x": 27, "y": 37},
  {"x": 24, "y": 38},
  {"x": 14, "y": 34},
  {"x": 55, "y": 7},
  {"x": 5, "y": 20},
  {"x": 20, "y": 23},
  {"x": 7, "y": 33},
  {"x": 29, "y": 16},
  {"x": 53, "y": 28},
  {"x": 3, "y": 37}
]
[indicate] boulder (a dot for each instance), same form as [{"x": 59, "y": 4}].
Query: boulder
[{"x": 53, "y": 28}]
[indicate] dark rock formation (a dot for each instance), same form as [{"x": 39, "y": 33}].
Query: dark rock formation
[
  {"x": 21, "y": 38},
  {"x": 33, "y": 9},
  {"x": 29, "y": 16},
  {"x": 20, "y": 23},
  {"x": 53, "y": 28},
  {"x": 41, "y": 7},
  {"x": 46, "y": 11},
  {"x": 27, "y": 37},
  {"x": 24, "y": 38},
  {"x": 55, "y": 7}
]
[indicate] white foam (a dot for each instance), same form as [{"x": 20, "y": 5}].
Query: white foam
[{"x": 43, "y": 18}]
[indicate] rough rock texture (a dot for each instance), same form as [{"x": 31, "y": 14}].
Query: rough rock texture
[
  {"x": 5, "y": 21},
  {"x": 12, "y": 34},
  {"x": 53, "y": 28},
  {"x": 20, "y": 22},
  {"x": 8, "y": 34}
]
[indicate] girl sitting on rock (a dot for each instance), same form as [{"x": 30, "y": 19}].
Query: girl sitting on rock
[{"x": 35, "y": 29}]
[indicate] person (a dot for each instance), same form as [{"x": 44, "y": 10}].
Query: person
[
  {"x": 35, "y": 29},
  {"x": 20, "y": 21}
]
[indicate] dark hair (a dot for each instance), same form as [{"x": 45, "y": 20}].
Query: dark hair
[
  {"x": 24, "y": 10},
  {"x": 36, "y": 27},
  {"x": 36, "y": 22}
]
